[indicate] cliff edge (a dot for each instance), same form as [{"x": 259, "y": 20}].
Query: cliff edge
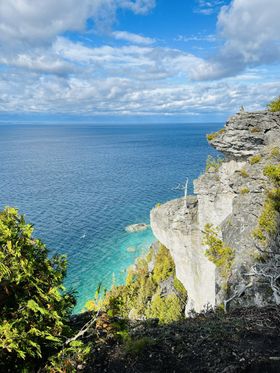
[{"x": 226, "y": 242}]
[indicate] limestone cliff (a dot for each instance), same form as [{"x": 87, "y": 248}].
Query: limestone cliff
[{"x": 230, "y": 196}]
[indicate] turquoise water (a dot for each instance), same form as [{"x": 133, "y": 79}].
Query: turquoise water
[{"x": 81, "y": 185}]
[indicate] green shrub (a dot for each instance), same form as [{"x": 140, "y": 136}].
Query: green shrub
[
  {"x": 214, "y": 163},
  {"x": 141, "y": 295},
  {"x": 243, "y": 172},
  {"x": 34, "y": 304},
  {"x": 137, "y": 346},
  {"x": 218, "y": 253},
  {"x": 255, "y": 159},
  {"x": 274, "y": 105},
  {"x": 275, "y": 152},
  {"x": 268, "y": 220},
  {"x": 273, "y": 173},
  {"x": 212, "y": 136},
  {"x": 244, "y": 190}
]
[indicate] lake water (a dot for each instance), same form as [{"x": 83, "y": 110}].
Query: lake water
[{"x": 81, "y": 185}]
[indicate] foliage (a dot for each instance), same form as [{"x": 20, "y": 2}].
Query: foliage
[
  {"x": 275, "y": 152},
  {"x": 68, "y": 358},
  {"x": 274, "y": 105},
  {"x": 141, "y": 296},
  {"x": 255, "y": 130},
  {"x": 218, "y": 253},
  {"x": 273, "y": 173},
  {"x": 136, "y": 346},
  {"x": 212, "y": 136},
  {"x": 244, "y": 190},
  {"x": 34, "y": 304},
  {"x": 243, "y": 172},
  {"x": 255, "y": 159},
  {"x": 214, "y": 163},
  {"x": 268, "y": 220}
]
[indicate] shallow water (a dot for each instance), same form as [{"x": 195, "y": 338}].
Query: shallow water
[{"x": 81, "y": 185}]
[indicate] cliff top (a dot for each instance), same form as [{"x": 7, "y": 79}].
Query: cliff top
[{"x": 246, "y": 133}]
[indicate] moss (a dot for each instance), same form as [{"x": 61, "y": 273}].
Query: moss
[
  {"x": 214, "y": 163},
  {"x": 243, "y": 172},
  {"x": 255, "y": 159},
  {"x": 212, "y": 136},
  {"x": 244, "y": 190},
  {"x": 218, "y": 253}
]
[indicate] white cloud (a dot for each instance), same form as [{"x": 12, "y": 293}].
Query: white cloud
[
  {"x": 133, "y": 38},
  {"x": 208, "y": 7},
  {"x": 250, "y": 30},
  {"x": 35, "y": 21}
]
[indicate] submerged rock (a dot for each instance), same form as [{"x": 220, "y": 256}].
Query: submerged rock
[{"x": 136, "y": 227}]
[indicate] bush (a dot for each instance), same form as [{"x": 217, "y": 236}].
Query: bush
[
  {"x": 243, "y": 172},
  {"x": 214, "y": 163},
  {"x": 255, "y": 159},
  {"x": 141, "y": 296},
  {"x": 218, "y": 253},
  {"x": 212, "y": 136},
  {"x": 274, "y": 105},
  {"x": 34, "y": 304},
  {"x": 244, "y": 190}
]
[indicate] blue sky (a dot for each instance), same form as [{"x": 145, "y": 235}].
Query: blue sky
[{"x": 137, "y": 60}]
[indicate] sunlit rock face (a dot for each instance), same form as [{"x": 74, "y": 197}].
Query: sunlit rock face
[{"x": 231, "y": 198}]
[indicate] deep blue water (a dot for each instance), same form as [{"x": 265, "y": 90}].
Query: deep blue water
[{"x": 81, "y": 185}]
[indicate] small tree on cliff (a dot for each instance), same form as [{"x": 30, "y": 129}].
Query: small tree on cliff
[{"x": 34, "y": 305}]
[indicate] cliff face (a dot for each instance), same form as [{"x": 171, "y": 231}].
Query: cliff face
[{"x": 231, "y": 197}]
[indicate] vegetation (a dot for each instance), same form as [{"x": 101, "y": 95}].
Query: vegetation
[
  {"x": 275, "y": 152},
  {"x": 268, "y": 220},
  {"x": 274, "y": 105},
  {"x": 244, "y": 190},
  {"x": 142, "y": 295},
  {"x": 218, "y": 253},
  {"x": 255, "y": 130},
  {"x": 212, "y": 136},
  {"x": 35, "y": 307},
  {"x": 243, "y": 172},
  {"x": 255, "y": 159},
  {"x": 213, "y": 163}
]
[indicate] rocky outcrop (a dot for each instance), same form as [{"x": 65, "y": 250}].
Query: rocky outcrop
[
  {"x": 231, "y": 198},
  {"x": 246, "y": 134}
]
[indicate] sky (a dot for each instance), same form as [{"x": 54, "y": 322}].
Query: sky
[{"x": 137, "y": 60}]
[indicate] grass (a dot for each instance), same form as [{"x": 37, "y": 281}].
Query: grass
[
  {"x": 212, "y": 136},
  {"x": 255, "y": 159},
  {"x": 213, "y": 163},
  {"x": 244, "y": 190}
]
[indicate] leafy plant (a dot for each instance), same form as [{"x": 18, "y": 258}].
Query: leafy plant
[
  {"x": 244, "y": 190},
  {"x": 274, "y": 105},
  {"x": 255, "y": 159},
  {"x": 243, "y": 172},
  {"x": 218, "y": 253},
  {"x": 35, "y": 307},
  {"x": 212, "y": 136},
  {"x": 213, "y": 163}
]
